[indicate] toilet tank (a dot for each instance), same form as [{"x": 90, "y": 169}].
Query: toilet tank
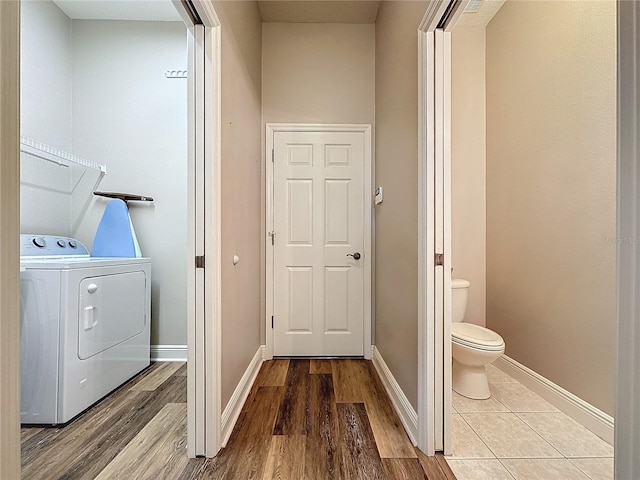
[{"x": 459, "y": 296}]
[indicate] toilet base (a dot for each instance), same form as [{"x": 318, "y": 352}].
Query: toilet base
[{"x": 470, "y": 381}]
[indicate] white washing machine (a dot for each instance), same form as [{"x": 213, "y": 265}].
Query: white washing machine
[{"x": 85, "y": 326}]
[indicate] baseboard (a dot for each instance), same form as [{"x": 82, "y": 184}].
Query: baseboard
[
  {"x": 408, "y": 416},
  {"x": 168, "y": 353},
  {"x": 584, "y": 413},
  {"x": 234, "y": 407}
]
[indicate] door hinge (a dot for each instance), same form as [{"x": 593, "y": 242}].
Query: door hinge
[
  {"x": 271, "y": 321},
  {"x": 200, "y": 261},
  {"x": 439, "y": 261},
  {"x": 273, "y": 155},
  {"x": 273, "y": 237}
]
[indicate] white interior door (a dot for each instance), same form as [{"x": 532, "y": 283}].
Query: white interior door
[{"x": 320, "y": 246}]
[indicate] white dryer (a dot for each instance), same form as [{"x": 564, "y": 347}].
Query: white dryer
[{"x": 85, "y": 326}]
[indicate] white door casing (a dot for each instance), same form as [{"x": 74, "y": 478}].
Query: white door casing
[
  {"x": 203, "y": 227},
  {"x": 319, "y": 217},
  {"x": 434, "y": 224}
]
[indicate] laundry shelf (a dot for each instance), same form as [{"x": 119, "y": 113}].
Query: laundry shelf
[{"x": 51, "y": 154}]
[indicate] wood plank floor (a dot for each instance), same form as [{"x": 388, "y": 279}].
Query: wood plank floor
[{"x": 303, "y": 420}]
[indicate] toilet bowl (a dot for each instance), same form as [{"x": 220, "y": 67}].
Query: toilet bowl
[{"x": 472, "y": 347}]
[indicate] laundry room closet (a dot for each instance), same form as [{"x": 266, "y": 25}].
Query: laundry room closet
[{"x": 109, "y": 88}]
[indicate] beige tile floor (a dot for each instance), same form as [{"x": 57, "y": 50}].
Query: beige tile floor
[{"x": 517, "y": 435}]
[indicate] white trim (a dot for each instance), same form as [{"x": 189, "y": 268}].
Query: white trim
[
  {"x": 581, "y": 411},
  {"x": 191, "y": 276},
  {"x": 271, "y": 129},
  {"x": 430, "y": 420},
  {"x": 439, "y": 229},
  {"x": 434, "y": 12},
  {"x": 426, "y": 245},
  {"x": 196, "y": 382},
  {"x": 234, "y": 407},
  {"x": 268, "y": 222},
  {"x": 627, "y": 451},
  {"x": 207, "y": 13},
  {"x": 203, "y": 286},
  {"x": 402, "y": 406},
  {"x": 264, "y": 353},
  {"x": 446, "y": 271},
  {"x": 213, "y": 228},
  {"x": 168, "y": 353},
  {"x": 434, "y": 224}
]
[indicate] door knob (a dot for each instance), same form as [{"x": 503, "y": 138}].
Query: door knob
[{"x": 354, "y": 255}]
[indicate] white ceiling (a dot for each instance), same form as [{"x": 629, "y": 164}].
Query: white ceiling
[
  {"x": 483, "y": 16},
  {"x": 150, "y": 10},
  {"x": 319, "y": 11},
  {"x": 294, "y": 11}
]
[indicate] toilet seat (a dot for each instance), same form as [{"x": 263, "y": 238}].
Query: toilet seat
[{"x": 475, "y": 336}]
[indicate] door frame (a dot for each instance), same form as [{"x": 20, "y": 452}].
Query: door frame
[
  {"x": 627, "y": 434},
  {"x": 434, "y": 224},
  {"x": 204, "y": 229},
  {"x": 271, "y": 129},
  {"x": 204, "y": 362}
]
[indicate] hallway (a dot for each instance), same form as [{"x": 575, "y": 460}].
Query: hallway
[
  {"x": 318, "y": 419},
  {"x": 304, "y": 419}
]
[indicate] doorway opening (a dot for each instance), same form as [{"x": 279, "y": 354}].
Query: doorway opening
[
  {"x": 498, "y": 204},
  {"x": 142, "y": 86}
]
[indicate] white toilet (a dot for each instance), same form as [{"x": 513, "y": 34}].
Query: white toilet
[{"x": 472, "y": 347}]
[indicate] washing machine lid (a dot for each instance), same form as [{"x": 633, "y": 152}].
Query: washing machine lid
[
  {"x": 69, "y": 263},
  {"x": 476, "y": 336}
]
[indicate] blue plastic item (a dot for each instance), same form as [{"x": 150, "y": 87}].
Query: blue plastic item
[{"x": 115, "y": 236}]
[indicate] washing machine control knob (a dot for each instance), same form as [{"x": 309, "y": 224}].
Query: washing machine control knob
[
  {"x": 39, "y": 242},
  {"x": 73, "y": 244},
  {"x": 61, "y": 244}
]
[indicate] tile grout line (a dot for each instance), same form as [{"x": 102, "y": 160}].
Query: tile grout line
[
  {"x": 528, "y": 426},
  {"x": 517, "y": 414},
  {"x": 523, "y": 422},
  {"x": 564, "y": 414},
  {"x": 578, "y": 467},
  {"x": 478, "y": 435},
  {"x": 508, "y": 471}
]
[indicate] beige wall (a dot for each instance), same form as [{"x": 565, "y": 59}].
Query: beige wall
[
  {"x": 318, "y": 73},
  {"x": 9, "y": 260},
  {"x": 396, "y": 147},
  {"x": 241, "y": 101},
  {"x": 551, "y": 186},
  {"x": 468, "y": 154}
]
